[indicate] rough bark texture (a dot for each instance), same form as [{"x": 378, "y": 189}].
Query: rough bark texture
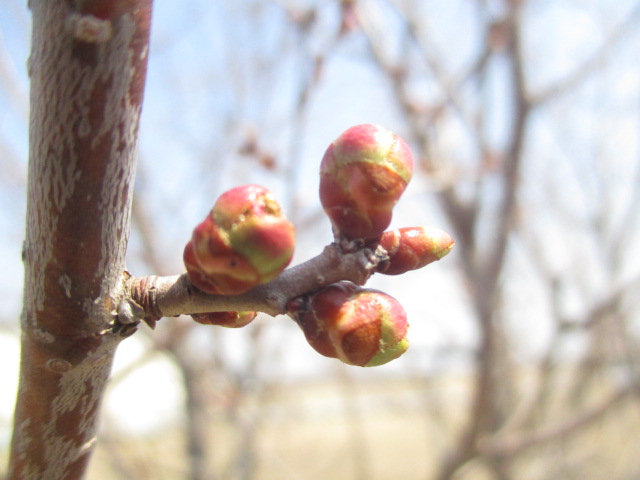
[{"x": 87, "y": 69}]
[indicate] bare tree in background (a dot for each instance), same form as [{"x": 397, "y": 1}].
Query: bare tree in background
[{"x": 561, "y": 217}]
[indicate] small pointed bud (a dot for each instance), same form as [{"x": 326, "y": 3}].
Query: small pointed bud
[
  {"x": 225, "y": 319},
  {"x": 243, "y": 242},
  {"x": 412, "y": 248},
  {"x": 358, "y": 326},
  {"x": 362, "y": 175}
]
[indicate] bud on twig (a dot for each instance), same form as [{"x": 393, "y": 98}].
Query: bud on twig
[
  {"x": 243, "y": 242},
  {"x": 362, "y": 175},
  {"x": 225, "y": 319},
  {"x": 411, "y": 248},
  {"x": 358, "y": 326}
]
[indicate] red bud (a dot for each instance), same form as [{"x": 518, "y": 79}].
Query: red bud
[
  {"x": 412, "y": 248},
  {"x": 243, "y": 242},
  {"x": 356, "y": 325},
  {"x": 225, "y": 319},
  {"x": 362, "y": 175}
]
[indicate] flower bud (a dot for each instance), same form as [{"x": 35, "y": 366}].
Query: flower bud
[
  {"x": 412, "y": 248},
  {"x": 225, "y": 319},
  {"x": 243, "y": 242},
  {"x": 362, "y": 175},
  {"x": 358, "y": 326}
]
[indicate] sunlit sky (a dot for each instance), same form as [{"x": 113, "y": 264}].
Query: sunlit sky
[{"x": 176, "y": 86}]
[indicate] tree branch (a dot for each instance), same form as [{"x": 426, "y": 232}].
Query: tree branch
[
  {"x": 87, "y": 68},
  {"x": 155, "y": 297}
]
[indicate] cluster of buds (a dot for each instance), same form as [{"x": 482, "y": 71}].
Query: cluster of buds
[
  {"x": 366, "y": 327},
  {"x": 243, "y": 242},
  {"x": 362, "y": 175},
  {"x": 246, "y": 241},
  {"x": 359, "y": 326}
]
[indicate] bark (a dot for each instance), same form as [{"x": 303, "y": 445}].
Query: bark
[{"x": 87, "y": 69}]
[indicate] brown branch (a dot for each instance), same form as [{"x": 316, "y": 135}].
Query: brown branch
[
  {"x": 155, "y": 297},
  {"x": 87, "y": 71}
]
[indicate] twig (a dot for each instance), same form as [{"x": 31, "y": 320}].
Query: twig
[{"x": 156, "y": 297}]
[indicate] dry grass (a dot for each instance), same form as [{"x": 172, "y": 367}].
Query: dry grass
[{"x": 383, "y": 430}]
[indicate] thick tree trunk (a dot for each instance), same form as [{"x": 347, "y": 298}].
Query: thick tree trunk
[{"x": 87, "y": 68}]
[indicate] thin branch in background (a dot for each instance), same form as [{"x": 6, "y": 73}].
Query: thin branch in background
[
  {"x": 591, "y": 65},
  {"x": 508, "y": 445}
]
